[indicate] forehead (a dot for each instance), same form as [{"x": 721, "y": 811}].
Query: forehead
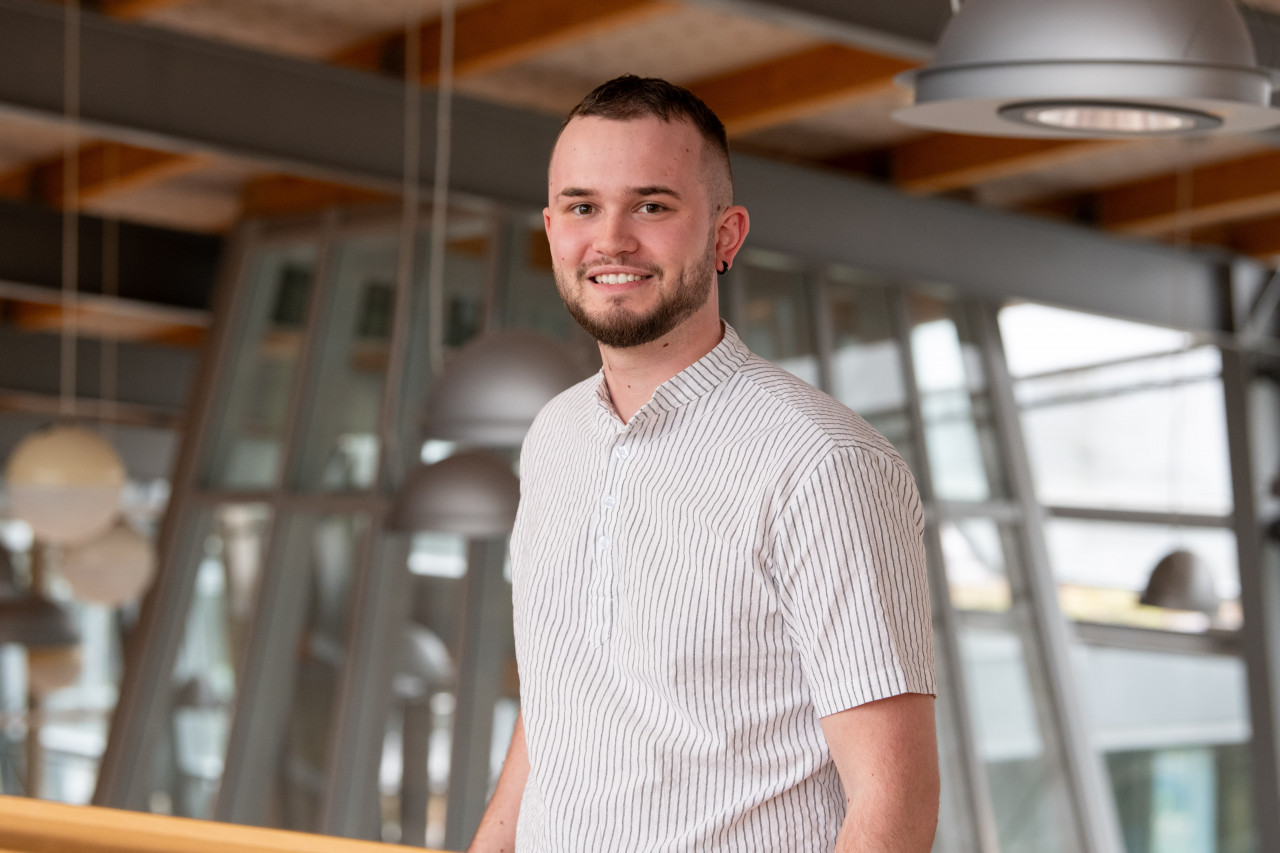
[{"x": 599, "y": 154}]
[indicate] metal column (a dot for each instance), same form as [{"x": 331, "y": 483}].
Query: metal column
[
  {"x": 953, "y": 701},
  {"x": 1260, "y": 601},
  {"x": 1086, "y": 775}
]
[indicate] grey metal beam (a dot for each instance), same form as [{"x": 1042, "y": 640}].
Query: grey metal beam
[
  {"x": 379, "y": 614},
  {"x": 986, "y": 252},
  {"x": 484, "y": 648},
  {"x": 981, "y": 834},
  {"x": 169, "y": 90},
  {"x": 172, "y": 91},
  {"x": 267, "y": 672},
  {"x": 145, "y": 689},
  {"x": 905, "y": 28},
  {"x": 1086, "y": 774},
  {"x": 1260, "y": 602}
]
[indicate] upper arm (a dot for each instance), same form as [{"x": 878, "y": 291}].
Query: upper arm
[
  {"x": 887, "y": 755},
  {"x": 848, "y": 564}
]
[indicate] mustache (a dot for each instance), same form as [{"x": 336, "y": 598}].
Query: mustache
[{"x": 649, "y": 269}]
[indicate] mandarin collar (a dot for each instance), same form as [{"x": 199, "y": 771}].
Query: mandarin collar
[{"x": 695, "y": 381}]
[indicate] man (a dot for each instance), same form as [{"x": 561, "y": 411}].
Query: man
[{"x": 722, "y": 618}]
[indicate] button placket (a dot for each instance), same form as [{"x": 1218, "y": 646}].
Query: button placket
[{"x": 605, "y": 540}]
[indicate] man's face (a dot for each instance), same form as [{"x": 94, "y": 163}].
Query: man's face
[{"x": 631, "y": 227}]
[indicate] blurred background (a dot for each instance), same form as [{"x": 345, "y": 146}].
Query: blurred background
[{"x": 283, "y": 376}]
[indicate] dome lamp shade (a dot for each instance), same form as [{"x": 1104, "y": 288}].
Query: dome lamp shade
[
  {"x": 492, "y": 388},
  {"x": 1182, "y": 581},
  {"x": 1092, "y": 68},
  {"x": 472, "y": 493},
  {"x": 65, "y": 481}
]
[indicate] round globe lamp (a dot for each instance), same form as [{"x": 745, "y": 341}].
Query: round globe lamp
[
  {"x": 113, "y": 569},
  {"x": 65, "y": 482}
]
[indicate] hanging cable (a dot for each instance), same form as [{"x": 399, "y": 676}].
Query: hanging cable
[
  {"x": 110, "y": 289},
  {"x": 70, "y": 203},
  {"x": 440, "y": 190}
]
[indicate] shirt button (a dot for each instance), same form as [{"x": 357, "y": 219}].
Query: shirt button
[
  {"x": 609, "y": 501},
  {"x": 622, "y": 452},
  {"x": 603, "y": 543}
]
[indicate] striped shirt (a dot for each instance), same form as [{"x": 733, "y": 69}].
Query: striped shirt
[{"x": 693, "y": 590}]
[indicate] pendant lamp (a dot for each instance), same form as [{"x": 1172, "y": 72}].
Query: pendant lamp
[
  {"x": 1182, "y": 581},
  {"x": 472, "y": 493},
  {"x": 1092, "y": 68},
  {"x": 113, "y": 569},
  {"x": 65, "y": 481},
  {"x": 494, "y": 386}
]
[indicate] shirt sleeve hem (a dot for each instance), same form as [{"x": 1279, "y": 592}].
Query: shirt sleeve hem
[{"x": 892, "y": 681}]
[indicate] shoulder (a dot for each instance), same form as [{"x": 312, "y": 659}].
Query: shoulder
[{"x": 813, "y": 416}]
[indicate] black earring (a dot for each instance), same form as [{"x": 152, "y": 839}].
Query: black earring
[{"x": 724, "y": 268}]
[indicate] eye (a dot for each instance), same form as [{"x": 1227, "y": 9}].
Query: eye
[
  {"x": 652, "y": 207},
  {"x": 580, "y": 209}
]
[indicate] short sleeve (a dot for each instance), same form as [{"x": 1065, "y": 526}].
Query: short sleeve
[{"x": 848, "y": 562}]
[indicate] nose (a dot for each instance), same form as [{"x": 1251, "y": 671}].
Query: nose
[{"x": 614, "y": 236}]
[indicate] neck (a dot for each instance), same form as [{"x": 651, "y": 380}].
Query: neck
[{"x": 634, "y": 373}]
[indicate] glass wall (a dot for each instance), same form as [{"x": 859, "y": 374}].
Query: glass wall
[
  {"x": 1127, "y": 438},
  {"x": 279, "y": 529}
]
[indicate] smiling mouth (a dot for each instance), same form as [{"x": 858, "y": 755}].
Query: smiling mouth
[{"x": 624, "y": 278}]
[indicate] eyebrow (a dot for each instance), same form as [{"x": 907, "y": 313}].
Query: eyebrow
[{"x": 655, "y": 189}]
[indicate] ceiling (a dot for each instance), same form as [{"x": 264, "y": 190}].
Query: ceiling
[{"x": 808, "y": 81}]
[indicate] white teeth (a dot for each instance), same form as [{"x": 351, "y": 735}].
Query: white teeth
[{"x": 617, "y": 279}]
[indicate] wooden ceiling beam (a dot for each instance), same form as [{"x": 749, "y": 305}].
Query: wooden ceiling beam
[
  {"x": 104, "y": 168},
  {"x": 129, "y": 10},
  {"x": 1241, "y": 189},
  {"x": 784, "y": 89},
  {"x": 1259, "y": 238},
  {"x": 944, "y": 162},
  {"x": 116, "y": 320},
  {"x": 277, "y": 195},
  {"x": 500, "y": 33}
]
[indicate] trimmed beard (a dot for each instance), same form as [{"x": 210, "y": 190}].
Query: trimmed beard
[{"x": 619, "y": 328}]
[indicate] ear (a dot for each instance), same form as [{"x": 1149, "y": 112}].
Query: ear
[
  {"x": 546, "y": 220},
  {"x": 732, "y": 226}
]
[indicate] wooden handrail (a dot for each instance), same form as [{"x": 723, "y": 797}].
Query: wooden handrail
[{"x": 39, "y": 826}]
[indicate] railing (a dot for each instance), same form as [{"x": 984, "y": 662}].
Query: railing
[{"x": 39, "y": 826}]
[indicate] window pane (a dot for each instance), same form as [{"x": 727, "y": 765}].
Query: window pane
[
  {"x": 246, "y": 448},
  {"x": 866, "y": 361},
  {"x": 232, "y": 541},
  {"x": 340, "y": 432},
  {"x": 1039, "y": 339},
  {"x": 777, "y": 319},
  {"x": 1175, "y": 730},
  {"x": 959, "y": 434},
  {"x": 1102, "y": 567},
  {"x": 326, "y": 549},
  {"x": 1028, "y": 790},
  {"x": 977, "y": 551},
  {"x": 1086, "y": 451}
]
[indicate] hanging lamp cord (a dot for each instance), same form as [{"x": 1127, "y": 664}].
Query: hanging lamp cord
[
  {"x": 70, "y": 203},
  {"x": 440, "y": 190}
]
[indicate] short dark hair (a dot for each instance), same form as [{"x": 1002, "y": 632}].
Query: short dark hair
[{"x": 630, "y": 97}]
